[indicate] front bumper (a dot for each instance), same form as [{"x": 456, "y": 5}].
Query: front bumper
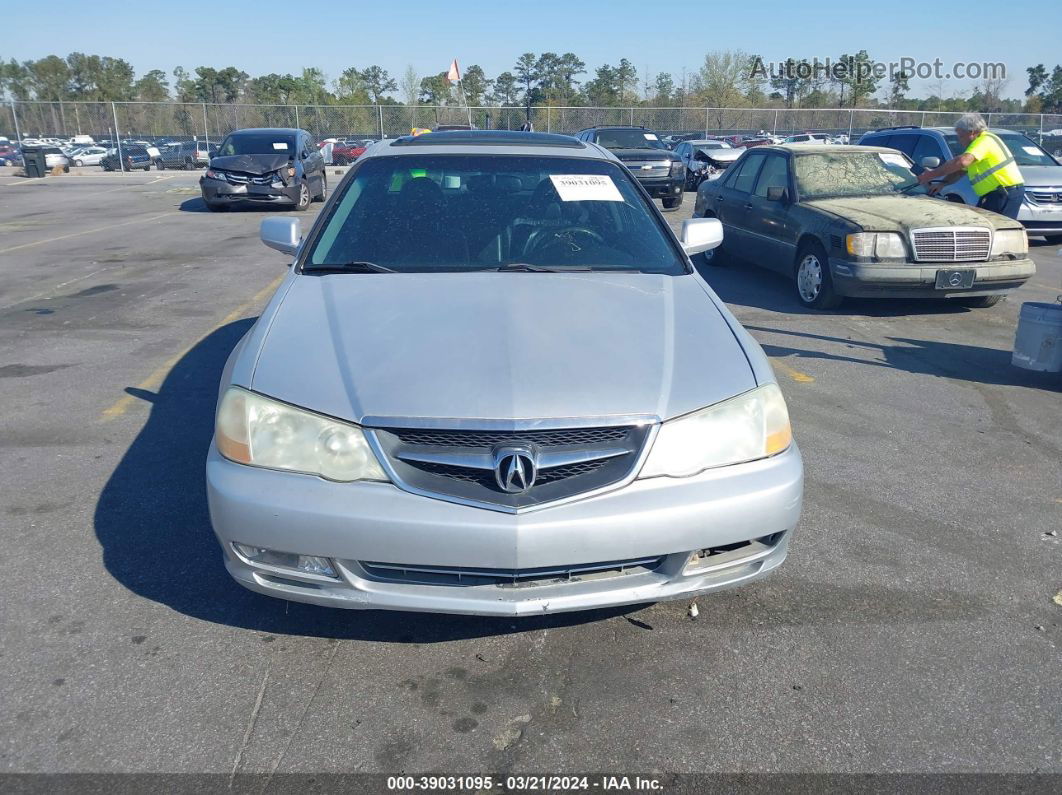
[
  {"x": 918, "y": 279},
  {"x": 660, "y": 188},
  {"x": 1040, "y": 219},
  {"x": 354, "y": 523},
  {"x": 217, "y": 191}
]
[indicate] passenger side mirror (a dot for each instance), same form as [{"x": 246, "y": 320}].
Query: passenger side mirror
[
  {"x": 282, "y": 234},
  {"x": 700, "y": 234},
  {"x": 930, "y": 162},
  {"x": 777, "y": 193}
]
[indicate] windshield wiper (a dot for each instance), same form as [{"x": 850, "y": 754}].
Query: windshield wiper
[
  {"x": 350, "y": 267},
  {"x": 523, "y": 266}
]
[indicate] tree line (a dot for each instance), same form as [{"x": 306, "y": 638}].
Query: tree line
[{"x": 726, "y": 78}]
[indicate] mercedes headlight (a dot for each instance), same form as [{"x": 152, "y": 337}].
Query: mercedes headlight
[
  {"x": 254, "y": 430},
  {"x": 880, "y": 245},
  {"x": 750, "y": 426},
  {"x": 1010, "y": 241}
]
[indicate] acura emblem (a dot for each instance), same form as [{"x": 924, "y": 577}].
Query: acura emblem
[{"x": 515, "y": 469}]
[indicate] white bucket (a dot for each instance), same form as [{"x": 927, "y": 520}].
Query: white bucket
[{"x": 1038, "y": 341}]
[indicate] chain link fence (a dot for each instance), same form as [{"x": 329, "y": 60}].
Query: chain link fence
[{"x": 211, "y": 122}]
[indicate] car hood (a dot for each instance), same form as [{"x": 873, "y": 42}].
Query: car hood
[
  {"x": 724, "y": 155},
  {"x": 643, "y": 154},
  {"x": 500, "y": 346},
  {"x": 903, "y": 213},
  {"x": 250, "y": 164},
  {"x": 1042, "y": 176}
]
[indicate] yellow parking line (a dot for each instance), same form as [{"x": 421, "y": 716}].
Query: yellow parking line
[
  {"x": 796, "y": 375},
  {"x": 88, "y": 232},
  {"x": 154, "y": 381}
]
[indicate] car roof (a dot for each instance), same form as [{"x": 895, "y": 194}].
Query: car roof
[
  {"x": 497, "y": 142},
  {"x": 820, "y": 149},
  {"x": 944, "y": 130},
  {"x": 271, "y": 130}
]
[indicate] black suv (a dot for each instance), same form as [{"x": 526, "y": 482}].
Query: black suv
[
  {"x": 265, "y": 166},
  {"x": 659, "y": 171},
  {"x": 133, "y": 157}
]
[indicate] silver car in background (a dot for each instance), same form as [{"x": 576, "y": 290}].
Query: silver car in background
[{"x": 493, "y": 384}]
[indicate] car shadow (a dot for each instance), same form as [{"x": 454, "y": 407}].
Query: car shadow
[
  {"x": 924, "y": 357},
  {"x": 153, "y": 526},
  {"x": 743, "y": 284},
  {"x": 197, "y": 205}
]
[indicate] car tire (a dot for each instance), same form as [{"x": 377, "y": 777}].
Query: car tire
[
  {"x": 814, "y": 282},
  {"x": 978, "y": 301},
  {"x": 303, "y": 203},
  {"x": 66, "y": 169},
  {"x": 79, "y": 163},
  {"x": 189, "y": 165},
  {"x": 160, "y": 166},
  {"x": 672, "y": 202},
  {"x": 320, "y": 197}
]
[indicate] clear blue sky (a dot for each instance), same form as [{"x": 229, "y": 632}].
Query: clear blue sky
[{"x": 271, "y": 36}]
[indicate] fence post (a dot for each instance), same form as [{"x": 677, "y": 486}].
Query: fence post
[
  {"x": 549, "y": 118},
  {"x": 296, "y": 117},
  {"x": 775, "y": 130},
  {"x": 632, "y": 115},
  {"x": 1041, "y": 141},
  {"x": 118, "y": 139},
  {"x": 706, "y": 122},
  {"x": 18, "y": 134},
  {"x": 989, "y": 121},
  {"x": 851, "y": 123},
  {"x": 379, "y": 113},
  {"x": 206, "y": 128}
]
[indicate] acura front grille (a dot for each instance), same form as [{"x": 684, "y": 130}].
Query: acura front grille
[{"x": 463, "y": 465}]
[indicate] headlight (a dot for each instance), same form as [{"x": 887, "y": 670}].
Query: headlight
[
  {"x": 882, "y": 245},
  {"x": 677, "y": 168},
  {"x": 257, "y": 431},
  {"x": 1009, "y": 241},
  {"x": 215, "y": 174},
  {"x": 750, "y": 426}
]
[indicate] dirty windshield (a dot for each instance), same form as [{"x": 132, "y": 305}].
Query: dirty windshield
[
  {"x": 489, "y": 212},
  {"x": 831, "y": 174}
]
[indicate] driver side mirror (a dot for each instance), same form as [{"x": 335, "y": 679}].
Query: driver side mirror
[
  {"x": 281, "y": 234},
  {"x": 700, "y": 234},
  {"x": 930, "y": 162},
  {"x": 777, "y": 193}
]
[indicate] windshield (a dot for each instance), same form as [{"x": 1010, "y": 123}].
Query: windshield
[
  {"x": 429, "y": 213},
  {"x": 629, "y": 139},
  {"x": 830, "y": 174},
  {"x": 1026, "y": 153},
  {"x": 257, "y": 144},
  {"x": 713, "y": 145}
]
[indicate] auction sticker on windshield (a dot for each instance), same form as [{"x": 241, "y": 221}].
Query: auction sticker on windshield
[
  {"x": 585, "y": 188},
  {"x": 892, "y": 160},
  {"x": 281, "y": 146}
]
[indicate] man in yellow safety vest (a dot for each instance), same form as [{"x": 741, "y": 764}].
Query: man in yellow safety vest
[{"x": 988, "y": 163}]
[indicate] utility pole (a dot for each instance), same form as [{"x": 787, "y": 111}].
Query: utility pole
[{"x": 18, "y": 134}]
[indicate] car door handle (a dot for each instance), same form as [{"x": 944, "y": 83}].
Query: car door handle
[{"x": 748, "y": 206}]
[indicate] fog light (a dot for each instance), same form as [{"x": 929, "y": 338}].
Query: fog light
[{"x": 307, "y": 564}]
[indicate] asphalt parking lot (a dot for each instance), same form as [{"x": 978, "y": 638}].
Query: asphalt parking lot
[{"x": 914, "y": 627}]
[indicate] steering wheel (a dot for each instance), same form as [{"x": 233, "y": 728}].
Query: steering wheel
[{"x": 566, "y": 237}]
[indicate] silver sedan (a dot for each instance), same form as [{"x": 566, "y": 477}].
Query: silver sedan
[{"x": 493, "y": 384}]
